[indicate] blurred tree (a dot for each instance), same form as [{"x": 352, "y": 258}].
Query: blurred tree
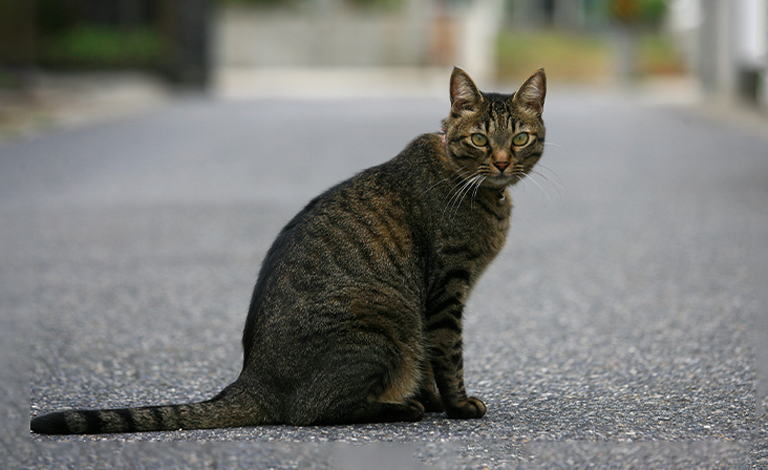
[
  {"x": 268, "y": 3},
  {"x": 167, "y": 35},
  {"x": 625, "y": 11},
  {"x": 98, "y": 34},
  {"x": 376, "y": 3},
  {"x": 18, "y": 33},
  {"x": 632, "y": 16},
  {"x": 387, "y": 4},
  {"x": 638, "y": 12}
]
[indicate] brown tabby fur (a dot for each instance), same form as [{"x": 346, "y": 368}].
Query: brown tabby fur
[{"x": 356, "y": 315}]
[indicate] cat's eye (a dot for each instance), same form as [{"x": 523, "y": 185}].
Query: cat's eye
[
  {"x": 480, "y": 140},
  {"x": 520, "y": 139}
]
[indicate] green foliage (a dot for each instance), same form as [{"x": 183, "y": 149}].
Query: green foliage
[
  {"x": 564, "y": 55},
  {"x": 101, "y": 47},
  {"x": 659, "y": 56},
  {"x": 386, "y": 4},
  {"x": 259, "y": 3},
  {"x": 654, "y": 10},
  {"x": 580, "y": 57},
  {"x": 637, "y": 12}
]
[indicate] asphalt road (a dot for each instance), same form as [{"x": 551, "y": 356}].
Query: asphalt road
[{"x": 623, "y": 326}]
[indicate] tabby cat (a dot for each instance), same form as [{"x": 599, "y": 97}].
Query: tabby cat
[{"x": 357, "y": 311}]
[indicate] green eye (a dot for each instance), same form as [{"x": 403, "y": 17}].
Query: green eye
[
  {"x": 480, "y": 140},
  {"x": 520, "y": 139}
]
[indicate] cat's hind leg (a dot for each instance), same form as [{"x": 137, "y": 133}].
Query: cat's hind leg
[
  {"x": 392, "y": 398},
  {"x": 360, "y": 388},
  {"x": 349, "y": 406},
  {"x": 428, "y": 395},
  {"x": 378, "y": 412}
]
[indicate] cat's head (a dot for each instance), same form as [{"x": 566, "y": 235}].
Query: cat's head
[{"x": 491, "y": 137}]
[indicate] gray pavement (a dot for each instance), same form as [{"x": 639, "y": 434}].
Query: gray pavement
[{"x": 624, "y": 325}]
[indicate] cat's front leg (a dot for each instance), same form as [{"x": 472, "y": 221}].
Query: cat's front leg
[{"x": 448, "y": 368}]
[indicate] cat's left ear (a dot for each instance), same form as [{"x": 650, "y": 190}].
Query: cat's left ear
[
  {"x": 532, "y": 92},
  {"x": 465, "y": 95}
]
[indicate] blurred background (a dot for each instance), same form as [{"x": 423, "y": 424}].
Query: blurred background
[{"x": 80, "y": 60}]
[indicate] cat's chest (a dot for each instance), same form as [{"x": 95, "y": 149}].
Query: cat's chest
[
  {"x": 478, "y": 230},
  {"x": 487, "y": 214}
]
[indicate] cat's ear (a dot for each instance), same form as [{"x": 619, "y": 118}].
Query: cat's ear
[
  {"x": 532, "y": 92},
  {"x": 464, "y": 93}
]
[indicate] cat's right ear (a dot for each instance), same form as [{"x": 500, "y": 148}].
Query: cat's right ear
[
  {"x": 464, "y": 93},
  {"x": 533, "y": 91}
]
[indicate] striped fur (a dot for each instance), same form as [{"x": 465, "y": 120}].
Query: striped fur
[{"x": 357, "y": 312}]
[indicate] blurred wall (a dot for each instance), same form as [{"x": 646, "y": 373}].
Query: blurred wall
[
  {"x": 247, "y": 37},
  {"x": 330, "y": 34}
]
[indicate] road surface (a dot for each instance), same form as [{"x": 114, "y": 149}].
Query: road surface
[{"x": 623, "y": 326}]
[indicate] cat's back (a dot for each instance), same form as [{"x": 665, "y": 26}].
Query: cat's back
[{"x": 380, "y": 202}]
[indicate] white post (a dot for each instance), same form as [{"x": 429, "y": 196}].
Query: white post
[{"x": 477, "y": 49}]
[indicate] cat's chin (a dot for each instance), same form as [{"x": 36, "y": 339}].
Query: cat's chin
[{"x": 501, "y": 181}]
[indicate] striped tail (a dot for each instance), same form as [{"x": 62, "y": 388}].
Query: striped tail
[{"x": 226, "y": 410}]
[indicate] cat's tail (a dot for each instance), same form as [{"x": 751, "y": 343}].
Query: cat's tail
[{"x": 233, "y": 407}]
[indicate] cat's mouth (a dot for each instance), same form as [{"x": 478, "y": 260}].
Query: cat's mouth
[
  {"x": 502, "y": 180},
  {"x": 513, "y": 175}
]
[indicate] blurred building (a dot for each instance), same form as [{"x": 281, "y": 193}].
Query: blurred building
[{"x": 726, "y": 42}]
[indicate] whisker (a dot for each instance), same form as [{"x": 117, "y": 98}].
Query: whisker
[
  {"x": 466, "y": 190},
  {"x": 460, "y": 194},
  {"x": 543, "y": 191},
  {"x": 543, "y": 167},
  {"x": 434, "y": 186},
  {"x": 521, "y": 179},
  {"x": 458, "y": 188},
  {"x": 550, "y": 183},
  {"x": 477, "y": 187},
  {"x": 463, "y": 170},
  {"x": 443, "y": 180}
]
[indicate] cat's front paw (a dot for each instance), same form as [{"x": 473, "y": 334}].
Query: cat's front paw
[{"x": 471, "y": 408}]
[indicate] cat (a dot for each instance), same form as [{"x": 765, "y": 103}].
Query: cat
[{"x": 356, "y": 316}]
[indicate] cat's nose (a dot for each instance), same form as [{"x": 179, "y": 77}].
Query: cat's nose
[{"x": 501, "y": 165}]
